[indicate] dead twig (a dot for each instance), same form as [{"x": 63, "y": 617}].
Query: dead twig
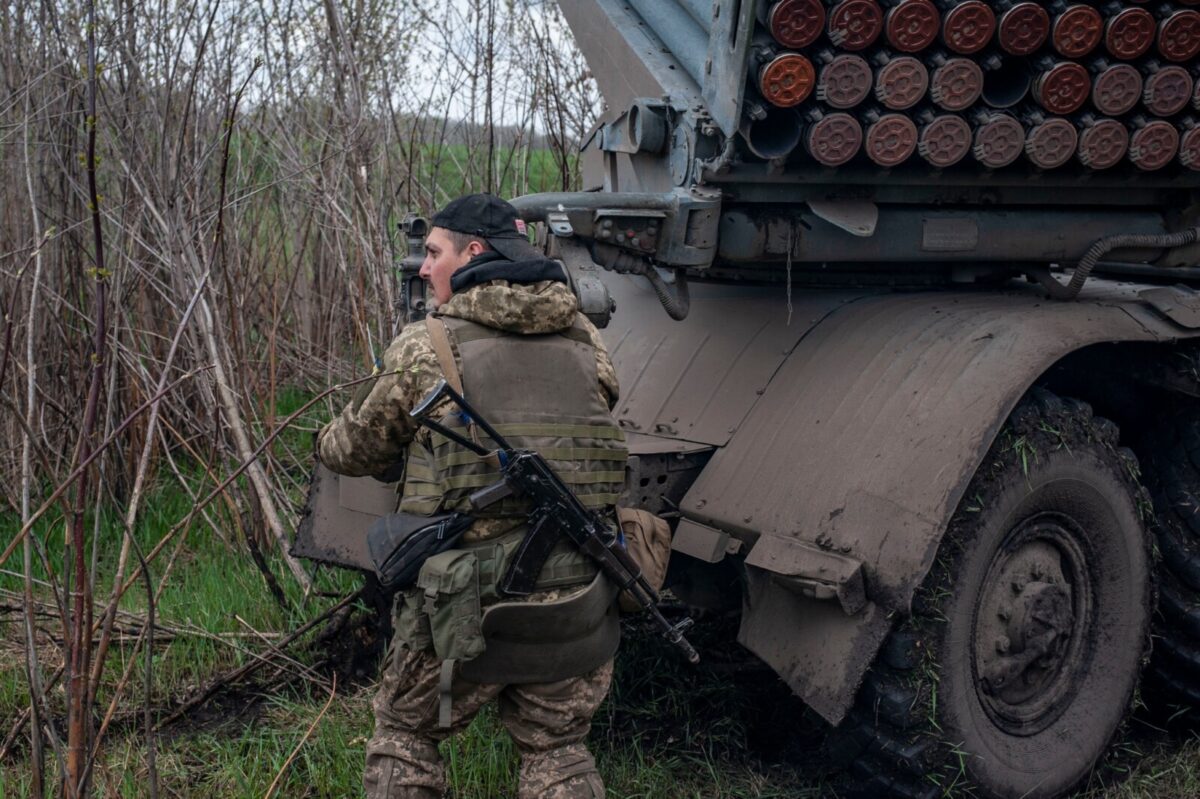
[
  {"x": 244, "y": 671},
  {"x": 303, "y": 739}
]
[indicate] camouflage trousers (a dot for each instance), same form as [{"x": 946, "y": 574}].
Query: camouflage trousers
[{"x": 547, "y": 721}]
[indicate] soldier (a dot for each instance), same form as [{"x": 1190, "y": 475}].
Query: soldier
[{"x": 506, "y": 327}]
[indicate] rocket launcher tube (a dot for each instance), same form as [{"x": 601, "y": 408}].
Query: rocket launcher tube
[
  {"x": 772, "y": 133},
  {"x": 796, "y": 23},
  {"x": 900, "y": 81},
  {"x": 955, "y": 83},
  {"x": 1061, "y": 87},
  {"x": 1154, "y": 143},
  {"x": 1189, "y": 143},
  {"x": 843, "y": 79},
  {"x": 967, "y": 25},
  {"x": 1178, "y": 37},
  {"x": 943, "y": 139},
  {"x": 1022, "y": 28},
  {"x": 1076, "y": 29},
  {"x": 1128, "y": 32},
  {"x": 890, "y": 138},
  {"x": 1168, "y": 88},
  {"x": 911, "y": 25},
  {"x": 1049, "y": 141},
  {"x": 832, "y": 139},
  {"x": 1116, "y": 88},
  {"x": 1006, "y": 80},
  {"x": 999, "y": 138},
  {"x": 784, "y": 79},
  {"x": 855, "y": 24},
  {"x": 1103, "y": 142}
]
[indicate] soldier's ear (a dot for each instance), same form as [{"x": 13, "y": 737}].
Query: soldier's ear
[{"x": 475, "y": 247}]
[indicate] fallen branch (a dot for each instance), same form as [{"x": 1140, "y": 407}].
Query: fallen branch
[{"x": 241, "y": 672}]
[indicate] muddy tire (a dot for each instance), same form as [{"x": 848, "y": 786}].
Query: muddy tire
[
  {"x": 1019, "y": 663},
  {"x": 1173, "y": 476}
]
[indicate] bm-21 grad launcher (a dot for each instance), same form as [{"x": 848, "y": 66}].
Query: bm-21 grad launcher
[{"x": 926, "y": 268}]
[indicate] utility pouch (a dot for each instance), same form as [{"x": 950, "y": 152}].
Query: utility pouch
[
  {"x": 648, "y": 541},
  {"x": 400, "y": 543},
  {"x": 449, "y": 596},
  {"x": 412, "y": 631}
]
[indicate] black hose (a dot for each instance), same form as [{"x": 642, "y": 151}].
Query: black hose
[
  {"x": 676, "y": 304},
  {"x": 1101, "y": 248}
]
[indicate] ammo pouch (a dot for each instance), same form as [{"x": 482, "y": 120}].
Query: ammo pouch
[
  {"x": 400, "y": 543},
  {"x": 449, "y": 599}
]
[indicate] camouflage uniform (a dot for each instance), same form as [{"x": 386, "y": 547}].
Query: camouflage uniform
[{"x": 548, "y": 722}]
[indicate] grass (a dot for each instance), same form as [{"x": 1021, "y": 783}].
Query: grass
[{"x": 667, "y": 730}]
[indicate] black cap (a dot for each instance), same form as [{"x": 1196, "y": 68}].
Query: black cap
[{"x": 491, "y": 219}]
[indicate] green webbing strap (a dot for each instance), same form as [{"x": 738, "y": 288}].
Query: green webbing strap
[
  {"x": 458, "y": 458},
  {"x": 444, "y": 699},
  {"x": 476, "y": 332},
  {"x": 423, "y": 481},
  {"x": 598, "y": 500},
  {"x": 420, "y": 474},
  {"x": 421, "y": 506},
  {"x": 541, "y": 430},
  {"x": 481, "y": 480}
]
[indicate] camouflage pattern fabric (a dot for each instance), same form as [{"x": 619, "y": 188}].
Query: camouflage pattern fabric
[
  {"x": 373, "y": 430},
  {"x": 548, "y": 722}
]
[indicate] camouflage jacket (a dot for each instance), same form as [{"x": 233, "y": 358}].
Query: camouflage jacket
[{"x": 371, "y": 433}]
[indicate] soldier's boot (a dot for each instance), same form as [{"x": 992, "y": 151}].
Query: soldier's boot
[
  {"x": 568, "y": 772},
  {"x": 403, "y": 766}
]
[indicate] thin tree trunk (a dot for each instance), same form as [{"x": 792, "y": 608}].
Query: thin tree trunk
[{"x": 80, "y": 648}]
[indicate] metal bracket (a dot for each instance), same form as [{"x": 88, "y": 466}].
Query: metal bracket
[
  {"x": 560, "y": 224},
  {"x": 640, "y": 129},
  {"x": 686, "y": 220},
  {"x": 1178, "y": 303},
  {"x": 594, "y": 300},
  {"x": 856, "y": 217},
  {"x": 703, "y": 542},
  {"x": 810, "y": 571}
]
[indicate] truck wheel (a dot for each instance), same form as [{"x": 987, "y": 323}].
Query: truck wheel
[
  {"x": 1173, "y": 475},
  {"x": 1019, "y": 663}
]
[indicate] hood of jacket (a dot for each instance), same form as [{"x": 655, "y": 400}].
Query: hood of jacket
[{"x": 514, "y": 305}]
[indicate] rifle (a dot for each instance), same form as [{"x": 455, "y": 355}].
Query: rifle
[{"x": 556, "y": 512}]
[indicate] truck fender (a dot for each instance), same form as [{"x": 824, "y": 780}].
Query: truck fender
[{"x": 843, "y": 475}]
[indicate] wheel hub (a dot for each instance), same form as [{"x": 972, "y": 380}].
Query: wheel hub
[{"x": 1033, "y": 614}]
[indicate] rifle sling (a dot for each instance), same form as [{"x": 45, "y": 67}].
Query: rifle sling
[{"x": 439, "y": 337}]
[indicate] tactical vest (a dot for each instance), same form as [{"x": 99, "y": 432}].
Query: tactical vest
[{"x": 540, "y": 392}]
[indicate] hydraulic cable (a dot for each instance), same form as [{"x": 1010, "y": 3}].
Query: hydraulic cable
[{"x": 1102, "y": 247}]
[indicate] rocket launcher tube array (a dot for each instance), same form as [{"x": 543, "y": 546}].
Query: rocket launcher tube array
[{"x": 889, "y": 81}]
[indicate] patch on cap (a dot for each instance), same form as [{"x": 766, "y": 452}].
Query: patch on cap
[{"x": 520, "y": 226}]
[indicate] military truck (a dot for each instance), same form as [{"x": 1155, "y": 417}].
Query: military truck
[{"x": 899, "y": 296}]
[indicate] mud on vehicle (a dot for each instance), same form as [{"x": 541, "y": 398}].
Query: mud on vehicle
[{"x": 899, "y": 296}]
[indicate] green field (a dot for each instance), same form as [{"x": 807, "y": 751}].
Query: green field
[{"x": 723, "y": 729}]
